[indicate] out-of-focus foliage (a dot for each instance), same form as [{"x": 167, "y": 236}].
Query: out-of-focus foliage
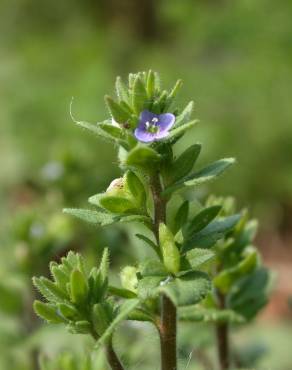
[{"x": 236, "y": 59}]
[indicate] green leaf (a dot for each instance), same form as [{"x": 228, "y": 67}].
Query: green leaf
[
  {"x": 72, "y": 259},
  {"x": 136, "y": 188},
  {"x": 148, "y": 287},
  {"x": 60, "y": 277},
  {"x": 185, "y": 162},
  {"x": 101, "y": 318},
  {"x": 157, "y": 81},
  {"x": 150, "y": 85},
  {"x": 80, "y": 327},
  {"x": 207, "y": 237},
  {"x": 170, "y": 253},
  {"x": 116, "y": 204},
  {"x": 78, "y": 287},
  {"x": 209, "y": 315},
  {"x": 49, "y": 290},
  {"x": 152, "y": 268},
  {"x": 131, "y": 80},
  {"x": 104, "y": 265},
  {"x": 140, "y": 315},
  {"x": 160, "y": 104},
  {"x": 68, "y": 311},
  {"x": 247, "y": 235},
  {"x": 175, "y": 90},
  {"x": 181, "y": 216},
  {"x": 226, "y": 278},
  {"x": 116, "y": 133},
  {"x": 143, "y": 157},
  {"x": 187, "y": 289},
  {"x": 197, "y": 257},
  {"x": 208, "y": 173},
  {"x": 250, "y": 293},
  {"x": 180, "y": 130},
  {"x": 125, "y": 309},
  {"x": 117, "y": 112},
  {"x": 96, "y": 130},
  {"x": 139, "y": 95},
  {"x": 94, "y": 199},
  {"x": 47, "y": 312},
  {"x": 185, "y": 115},
  {"x": 97, "y": 285},
  {"x": 129, "y": 278},
  {"x": 121, "y": 90},
  {"x": 124, "y": 105},
  {"x": 120, "y": 292},
  {"x": 202, "y": 219},
  {"x": 136, "y": 218},
  {"x": 149, "y": 242},
  {"x": 101, "y": 218}
]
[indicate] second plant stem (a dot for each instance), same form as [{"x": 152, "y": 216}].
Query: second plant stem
[
  {"x": 111, "y": 356},
  {"x": 168, "y": 319},
  {"x": 113, "y": 359},
  {"x": 222, "y": 333}
]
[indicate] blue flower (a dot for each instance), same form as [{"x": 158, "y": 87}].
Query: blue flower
[{"x": 153, "y": 126}]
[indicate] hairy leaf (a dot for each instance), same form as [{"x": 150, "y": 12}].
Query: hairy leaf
[
  {"x": 139, "y": 95},
  {"x": 209, "y": 315},
  {"x": 250, "y": 293},
  {"x": 185, "y": 115},
  {"x": 225, "y": 279},
  {"x": 143, "y": 157},
  {"x": 207, "y": 237},
  {"x": 125, "y": 309},
  {"x": 121, "y": 90},
  {"x": 150, "y": 243},
  {"x": 185, "y": 162},
  {"x": 101, "y": 218},
  {"x": 202, "y": 219},
  {"x": 181, "y": 216},
  {"x": 120, "y": 292},
  {"x": 180, "y": 130},
  {"x": 208, "y": 173},
  {"x": 116, "y": 204},
  {"x": 136, "y": 188},
  {"x": 197, "y": 257},
  {"x": 170, "y": 253},
  {"x": 187, "y": 289},
  {"x": 49, "y": 290},
  {"x": 150, "y": 84},
  {"x": 78, "y": 287},
  {"x": 47, "y": 312},
  {"x": 153, "y": 268},
  {"x": 117, "y": 112}
]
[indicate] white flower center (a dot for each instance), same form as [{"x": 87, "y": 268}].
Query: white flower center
[{"x": 152, "y": 125}]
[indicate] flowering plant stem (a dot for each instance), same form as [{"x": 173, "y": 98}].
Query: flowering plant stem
[
  {"x": 222, "y": 337},
  {"x": 168, "y": 320},
  {"x": 112, "y": 357}
]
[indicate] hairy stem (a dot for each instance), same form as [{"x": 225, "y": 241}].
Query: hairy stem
[
  {"x": 222, "y": 338},
  {"x": 168, "y": 335},
  {"x": 168, "y": 319},
  {"x": 111, "y": 355},
  {"x": 113, "y": 359}
]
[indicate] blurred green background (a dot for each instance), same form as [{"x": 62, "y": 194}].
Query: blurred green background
[{"x": 235, "y": 58}]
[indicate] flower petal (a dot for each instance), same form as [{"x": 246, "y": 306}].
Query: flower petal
[
  {"x": 166, "y": 121},
  {"x": 147, "y": 116},
  {"x": 142, "y": 135}
]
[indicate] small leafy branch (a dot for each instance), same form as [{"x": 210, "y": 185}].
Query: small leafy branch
[{"x": 205, "y": 267}]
